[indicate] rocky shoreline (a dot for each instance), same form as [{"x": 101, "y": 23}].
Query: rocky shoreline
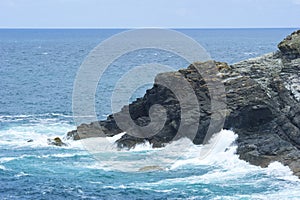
[{"x": 262, "y": 107}]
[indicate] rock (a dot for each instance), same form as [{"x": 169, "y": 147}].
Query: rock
[
  {"x": 290, "y": 46},
  {"x": 95, "y": 129},
  {"x": 262, "y": 107},
  {"x": 30, "y": 140},
  {"x": 56, "y": 142}
]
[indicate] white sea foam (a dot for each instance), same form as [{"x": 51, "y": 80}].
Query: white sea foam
[
  {"x": 219, "y": 156},
  {"x": 21, "y": 174},
  {"x": 108, "y": 144},
  {"x": 2, "y": 168},
  {"x": 279, "y": 171},
  {"x": 19, "y": 135},
  {"x": 68, "y": 155},
  {"x": 178, "y": 153},
  {"x": 143, "y": 147},
  {"x": 250, "y": 53},
  {"x": 7, "y": 159},
  {"x": 218, "y": 149},
  {"x": 101, "y": 144}
]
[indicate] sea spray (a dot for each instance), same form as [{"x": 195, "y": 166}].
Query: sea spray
[{"x": 143, "y": 155}]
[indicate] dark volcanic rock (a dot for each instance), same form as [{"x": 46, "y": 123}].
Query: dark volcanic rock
[{"x": 262, "y": 107}]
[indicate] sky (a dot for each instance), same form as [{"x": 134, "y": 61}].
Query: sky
[{"x": 149, "y": 13}]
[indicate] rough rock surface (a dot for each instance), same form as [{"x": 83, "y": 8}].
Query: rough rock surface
[
  {"x": 290, "y": 46},
  {"x": 262, "y": 98}
]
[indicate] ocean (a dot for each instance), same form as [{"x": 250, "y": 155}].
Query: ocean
[{"x": 37, "y": 71}]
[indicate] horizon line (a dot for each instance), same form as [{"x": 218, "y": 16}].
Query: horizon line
[{"x": 148, "y": 28}]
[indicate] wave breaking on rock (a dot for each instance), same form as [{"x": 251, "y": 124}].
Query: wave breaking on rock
[{"x": 262, "y": 98}]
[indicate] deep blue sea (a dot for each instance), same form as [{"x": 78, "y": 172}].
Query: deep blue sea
[{"x": 37, "y": 72}]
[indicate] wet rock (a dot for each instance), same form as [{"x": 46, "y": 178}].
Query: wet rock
[{"x": 56, "y": 142}]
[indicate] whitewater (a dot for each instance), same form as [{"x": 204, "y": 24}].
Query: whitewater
[{"x": 179, "y": 170}]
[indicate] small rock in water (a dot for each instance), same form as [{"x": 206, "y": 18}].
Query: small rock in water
[
  {"x": 30, "y": 140},
  {"x": 56, "y": 141}
]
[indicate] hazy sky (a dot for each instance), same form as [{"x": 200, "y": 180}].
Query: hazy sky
[{"x": 149, "y": 13}]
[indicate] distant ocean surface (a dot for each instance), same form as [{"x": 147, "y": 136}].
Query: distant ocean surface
[{"x": 37, "y": 72}]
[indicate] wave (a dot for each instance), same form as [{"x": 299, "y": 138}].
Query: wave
[
  {"x": 33, "y": 133},
  {"x": 175, "y": 155},
  {"x": 201, "y": 168},
  {"x": 21, "y": 174},
  {"x": 35, "y": 115},
  {"x": 180, "y": 163},
  {"x": 219, "y": 155},
  {"x": 219, "y": 152},
  {"x": 3, "y": 168}
]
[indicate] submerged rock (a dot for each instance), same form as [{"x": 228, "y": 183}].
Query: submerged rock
[{"x": 262, "y": 107}]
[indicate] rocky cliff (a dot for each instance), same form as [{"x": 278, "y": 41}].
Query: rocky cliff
[{"x": 262, "y": 107}]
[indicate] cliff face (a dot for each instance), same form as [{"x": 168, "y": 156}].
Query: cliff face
[
  {"x": 278, "y": 75},
  {"x": 262, "y": 98}
]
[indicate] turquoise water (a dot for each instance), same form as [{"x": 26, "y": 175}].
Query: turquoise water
[{"x": 37, "y": 71}]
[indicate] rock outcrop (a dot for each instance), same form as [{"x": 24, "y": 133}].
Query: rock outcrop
[
  {"x": 290, "y": 46},
  {"x": 262, "y": 107}
]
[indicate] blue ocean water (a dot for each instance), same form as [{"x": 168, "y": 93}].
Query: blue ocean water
[{"x": 37, "y": 72}]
